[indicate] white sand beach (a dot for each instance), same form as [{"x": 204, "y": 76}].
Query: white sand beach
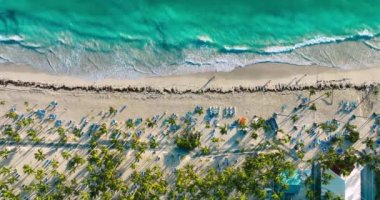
[{"x": 76, "y": 105}]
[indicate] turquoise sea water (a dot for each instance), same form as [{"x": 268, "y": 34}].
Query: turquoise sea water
[{"x": 102, "y": 38}]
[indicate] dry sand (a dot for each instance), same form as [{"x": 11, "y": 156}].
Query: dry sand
[{"x": 77, "y": 104}]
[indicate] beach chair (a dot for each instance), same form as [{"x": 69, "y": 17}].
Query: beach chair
[
  {"x": 198, "y": 109},
  {"x": 52, "y": 116},
  {"x": 113, "y": 122},
  {"x": 40, "y": 114},
  {"x": 53, "y": 104},
  {"x": 58, "y": 123},
  {"x": 138, "y": 121}
]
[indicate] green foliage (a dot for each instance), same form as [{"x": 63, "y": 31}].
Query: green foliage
[
  {"x": 223, "y": 129},
  {"x": 4, "y": 153},
  {"x": 241, "y": 180},
  {"x": 13, "y": 134},
  {"x": 215, "y": 140},
  {"x": 150, "y": 185},
  {"x": 329, "y": 127},
  {"x": 328, "y": 94},
  {"x": 188, "y": 139},
  {"x": 353, "y": 134},
  {"x": 28, "y": 169},
  {"x": 104, "y": 176},
  {"x": 65, "y": 155},
  {"x": 199, "y": 111},
  {"x": 313, "y": 107},
  {"x": 254, "y": 135},
  {"x": 257, "y": 124},
  {"x": 130, "y": 124},
  {"x": 300, "y": 154},
  {"x": 153, "y": 143},
  {"x": 112, "y": 110},
  {"x": 294, "y": 118},
  {"x": 24, "y": 122},
  {"x": 340, "y": 164},
  {"x": 39, "y": 155},
  {"x": 205, "y": 150},
  {"x": 12, "y": 115},
  {"x": 103, "y": 129},
  {"x": 150, "y": 123},
  {"x": 77, "y": 132},
  {"x": 312, "y": 92},
  {"x": 75, "y": 162}
]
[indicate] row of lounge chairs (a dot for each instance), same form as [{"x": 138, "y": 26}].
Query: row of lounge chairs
[{"x": 347, "y": 107}]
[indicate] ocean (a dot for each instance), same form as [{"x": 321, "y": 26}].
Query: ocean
[{"x": 137, "y": 38}]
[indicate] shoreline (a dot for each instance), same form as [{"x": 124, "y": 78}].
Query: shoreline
[{"x": 268, "y": 77}]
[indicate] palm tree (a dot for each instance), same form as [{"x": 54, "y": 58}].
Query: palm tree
[
  {"x": 12, "y": 115},
  {"x": 77, "y": 132},
  {"x": 9, "y": 194},
  {"x": 150, "y": 123},
  {"x": 31, "y": 133},
  {"x": 151, "y": 185},
  {"x": 85, "y": 195},
  {"x": 65, "y": 155},
  {"x": 294, "y": 118},
  {"x": 39, "y": 155},
  {"x": 5, "y": 170},
  {"x": 54, "y": 164},
  {"x": 311, "y": 93},
  {"x": 75, "y": 162},
  {"x": 313, "y": 107},
  {"x": 28, "y": 169},
  {"x": 153, "y": 143},
  {"x": 205, "y": 150},
  {"x": 5, "y": 153},
  {"x": 129, "y": 124},
  {"x": 370, "y": 143},
  {"x": 223, "y": 129},
  {"x": 112, "y": 111},
  {"x": 39, "y": 174}
]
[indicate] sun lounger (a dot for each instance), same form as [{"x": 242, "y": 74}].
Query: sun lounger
[
  {"x": 52, "y": 116},
  {"x": 347, "y": 107},
  {"x": 113, "y": 122},
  {"x": 40, "y": 114},
  {"x": 58, "y": 123},
  {"x": 138, "y": 121}
]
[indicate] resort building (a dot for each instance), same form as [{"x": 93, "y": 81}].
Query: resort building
[
  {"x": 347, "y": 187},
  {"x": 360, "y": 184}
]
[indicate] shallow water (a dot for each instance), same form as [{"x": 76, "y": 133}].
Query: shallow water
[{"x": 126, "y": 39}]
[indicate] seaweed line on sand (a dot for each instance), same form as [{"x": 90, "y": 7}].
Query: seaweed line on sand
[{"x": 321, "y": 85}]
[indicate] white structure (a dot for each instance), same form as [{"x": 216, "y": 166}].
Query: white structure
[
  {"x": 348, "y": 187},
  {"x": 359, "y": 185}
]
